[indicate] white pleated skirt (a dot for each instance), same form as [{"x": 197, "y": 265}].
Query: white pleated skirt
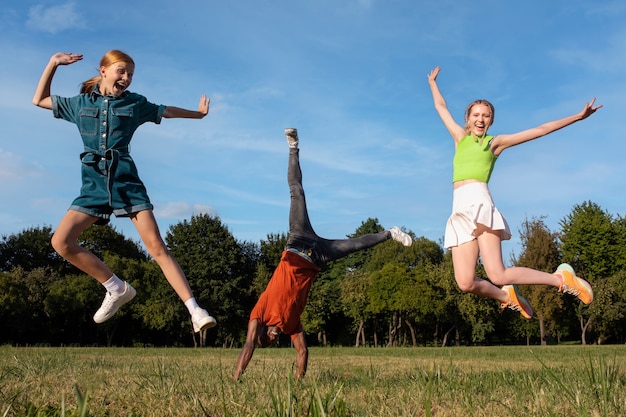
[{"x": 472, "y": 205}]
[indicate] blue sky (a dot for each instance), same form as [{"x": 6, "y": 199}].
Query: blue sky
[{"x": 351, "y": 75}]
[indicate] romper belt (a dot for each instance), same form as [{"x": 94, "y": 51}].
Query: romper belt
[{"x": 110, "y": 157}]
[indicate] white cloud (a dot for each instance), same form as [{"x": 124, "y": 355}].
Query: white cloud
[
  {"x": 13, "y": 168},
  {"x": 54, "y": 19},
  {"x": 175, "y": 210}
]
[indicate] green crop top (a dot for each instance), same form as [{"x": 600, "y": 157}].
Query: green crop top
[{"x": 473, "y": 160}]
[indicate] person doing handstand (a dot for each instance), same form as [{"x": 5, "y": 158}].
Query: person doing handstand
[{"x": 280, "y": 306}]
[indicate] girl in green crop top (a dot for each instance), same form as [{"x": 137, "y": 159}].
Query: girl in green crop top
[{"x": 476, "y": 228}]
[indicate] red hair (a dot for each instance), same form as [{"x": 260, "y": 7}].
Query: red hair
[{"x": 110, "y": 58}]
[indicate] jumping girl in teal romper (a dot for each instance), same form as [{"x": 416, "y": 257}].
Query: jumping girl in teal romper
[
  {"x": 107, "y": 115},
  {"x": 476, "y": 227}
]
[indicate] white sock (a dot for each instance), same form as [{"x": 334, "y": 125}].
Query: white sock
[
  {"x": 114, "y": 285},
  {"x": 191, "y": 305}
]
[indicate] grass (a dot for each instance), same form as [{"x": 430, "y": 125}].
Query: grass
[{"x": 469, "y": 381}]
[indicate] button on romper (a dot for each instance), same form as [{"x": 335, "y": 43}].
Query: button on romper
[{"x": 110, "y": 181}]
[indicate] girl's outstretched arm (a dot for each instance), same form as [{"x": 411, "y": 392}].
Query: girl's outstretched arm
[
  {"x": 42, "y": 93},
  {"x": 453, "y": 127},
  {"x": 501, "y": 142},
  {"x": 172, "y": 112}
]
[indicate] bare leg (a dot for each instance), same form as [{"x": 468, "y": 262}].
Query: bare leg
[
  {"x": 491, "y": 255},
  {"x": 148, "y": 229},
  {"x": 65, "y": 242},
  {"x": 464, "y": 258},
  {"x": 488, "y": 245}
]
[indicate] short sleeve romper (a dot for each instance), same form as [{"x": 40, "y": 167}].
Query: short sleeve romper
[{"x": 110, "y": 181}]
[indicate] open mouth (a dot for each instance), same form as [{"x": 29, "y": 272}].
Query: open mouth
[{"x": 119, "y": 87}]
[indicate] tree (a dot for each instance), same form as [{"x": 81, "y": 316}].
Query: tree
[
  {"x": 609, "y": 308},
  {"x": 69, "y": 305},
  {"x": 14, "y": 308},
  {"x": 321, "y": 314},
  {"x": 101, "y": 239},
  {"x": 589, "y": 243},
  {"x": 272, "y": 249},
  {"x": 28, "y": 250},
  {"x": 324, "y": 313},
  {"x": 353, "y": 292},
  {"x": 619, "y": 226},
  {"x": 447, "y": 317},
  {"x": 540, "y": 251},
  {"x": 32, "y": 288},
  {"x": 386, "y": 296},
  {"x": 219, "y": 270}
]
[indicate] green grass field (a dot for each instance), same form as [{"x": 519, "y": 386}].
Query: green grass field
[{"x": 464, "y": 381}]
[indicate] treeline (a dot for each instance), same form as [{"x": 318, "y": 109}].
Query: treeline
[{"x": 388, "y": 295}]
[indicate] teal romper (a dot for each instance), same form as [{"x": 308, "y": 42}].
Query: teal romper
[{"x": 110, "y": 181}]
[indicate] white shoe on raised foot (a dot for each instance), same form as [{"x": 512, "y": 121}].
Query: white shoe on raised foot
[
  {"x": 202, "y": 320},
  {"x": 292, "y": 137},
  {"x": 112, "y": 303},
  {"x": 399, "y": 236}
]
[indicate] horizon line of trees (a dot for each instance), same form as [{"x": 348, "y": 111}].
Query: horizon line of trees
[{"x": 388, "y": 295}]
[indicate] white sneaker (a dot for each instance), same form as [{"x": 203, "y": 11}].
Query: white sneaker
[
  {"x": 202, "y": 320},
  {"x": 399, "y": 236},
  {"x": 112, "y": 303},
  {"x": 292, "y": 137}
]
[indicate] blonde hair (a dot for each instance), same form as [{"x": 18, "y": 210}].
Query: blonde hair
[
  {"x": 469, "y": 109},
  {"x": 110, "y": 58}
]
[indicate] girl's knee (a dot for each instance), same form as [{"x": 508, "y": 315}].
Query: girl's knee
[
  {"x": 466, "y": 283},
  {"x": 156, "y": 248},
  {"x": 466, "y": 286},
  {"x": 60, "y": 244},
  {"x": 497, "y": 277},
  {"x": 498, "y": 280}
]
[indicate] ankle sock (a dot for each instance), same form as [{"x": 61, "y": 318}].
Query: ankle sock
[
  {"x": 191, "y": 305},
  {"x": 114, "y": 285}
]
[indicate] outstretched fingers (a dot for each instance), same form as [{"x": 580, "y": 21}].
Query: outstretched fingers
[
  {"x": 590, "y": 109},
  {"x": 66, "y": 58},
  {"x": 203, "y": 106},
  {"x": 432, "y": 76}
]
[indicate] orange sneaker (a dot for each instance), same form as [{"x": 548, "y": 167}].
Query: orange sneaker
[
  {"x": 571, "y": 284},
  {"x": 517, "y": 302}
]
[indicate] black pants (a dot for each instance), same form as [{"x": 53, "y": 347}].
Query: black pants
[{"x": 303, "y": 238}]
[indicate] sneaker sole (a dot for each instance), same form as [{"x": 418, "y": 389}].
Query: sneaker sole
[{"x": 208, "y": 324}]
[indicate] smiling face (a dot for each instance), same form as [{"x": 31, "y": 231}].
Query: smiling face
[
  {"x": 479, "y": 117},
  {"x": 116, "y": 78}
]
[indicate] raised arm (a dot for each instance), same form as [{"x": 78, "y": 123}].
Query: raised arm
[
  {"x": 501, "y": 142},
  {"x": 172, "y": 112},
  {"x": 42, "y": 93},
  {"x": 457, "y": 132},
  {"x": 248, "y": 348}
]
